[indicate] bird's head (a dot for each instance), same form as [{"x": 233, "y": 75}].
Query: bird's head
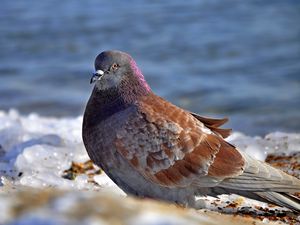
[{"x": 116, "y": 69}]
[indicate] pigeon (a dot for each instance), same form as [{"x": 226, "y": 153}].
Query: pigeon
[{"x": 153, "y": 149}]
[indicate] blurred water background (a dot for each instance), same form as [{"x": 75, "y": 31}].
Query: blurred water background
[{"x": 232, "y": 58}]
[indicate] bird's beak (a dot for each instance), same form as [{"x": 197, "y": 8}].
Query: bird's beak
[{"x": 96, "y": 76}]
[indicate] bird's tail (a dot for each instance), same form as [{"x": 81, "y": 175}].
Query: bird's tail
[{"x": 282, "y": 199}]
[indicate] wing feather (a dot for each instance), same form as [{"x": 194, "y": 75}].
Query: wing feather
[
  {"x": 260, "y": 176},
  {"x": 214, "y": 125},
  {"x": 172, "y": 148}
]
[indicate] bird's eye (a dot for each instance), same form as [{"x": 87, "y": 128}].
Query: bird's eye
[{"x": 114, "y": 66}]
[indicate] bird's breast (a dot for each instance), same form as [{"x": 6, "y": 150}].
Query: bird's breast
[{"x": 99, "y": 137}]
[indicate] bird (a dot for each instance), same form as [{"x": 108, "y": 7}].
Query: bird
[{"x": 152, "y": 148}]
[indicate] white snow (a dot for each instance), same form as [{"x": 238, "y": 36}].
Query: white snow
[
  {"x": 260, "y": 147},
  {"x": 35, "y": 150}
]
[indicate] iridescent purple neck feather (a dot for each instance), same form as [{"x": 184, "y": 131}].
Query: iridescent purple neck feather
[
  {"x": 133, "y": 85},
  {"x": 139, "y": 75}
]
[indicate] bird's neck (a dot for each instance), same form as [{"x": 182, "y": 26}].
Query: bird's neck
[
  {"x": 131, "y": 90},
  {"x": 105, "y": 103}
]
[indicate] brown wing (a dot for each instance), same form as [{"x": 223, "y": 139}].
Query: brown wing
[
  {"x": 214, "y": 124},
  {"x": 169, "y": 146}
]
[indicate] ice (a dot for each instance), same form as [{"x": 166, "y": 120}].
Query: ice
[
  {"x": 260, "y": 147},
  {"x": 36, "y": 150},
  {"x": 104, "y": 181}
]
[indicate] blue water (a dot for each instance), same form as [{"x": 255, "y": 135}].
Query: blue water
[{"x": 232, "y": 58}]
